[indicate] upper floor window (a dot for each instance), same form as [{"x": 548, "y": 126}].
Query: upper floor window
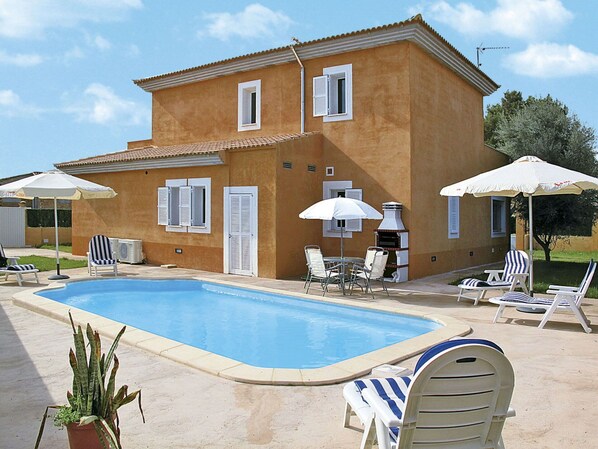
[
  {"x": 184, "y": 205},
  {"x": 453, "y": 217},
  {"x": 249, "y": 105},
  {"x": 333, "y": 93},
  {"x": 499, "y": 216}
]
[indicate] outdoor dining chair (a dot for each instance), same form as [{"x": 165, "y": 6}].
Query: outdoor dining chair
[
  {"x": 371, "y": 270},
  {"x": 318, "y": 271}
]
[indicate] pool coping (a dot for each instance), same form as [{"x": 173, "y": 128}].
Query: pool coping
[{"x": 233, "y": 369}]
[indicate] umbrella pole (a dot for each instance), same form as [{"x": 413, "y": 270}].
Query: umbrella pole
[
  {"x": 57, "y": 275},
  {"x": 531, "y": 245}
]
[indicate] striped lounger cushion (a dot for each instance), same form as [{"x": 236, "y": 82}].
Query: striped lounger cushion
[
  {"x": 392, "y": 390},
  {"x": 24, "y": 267},
  {"x": 470, "y": 282},
  {"x": 101, "y": 251},
  {"x": 522, "y": 298}
]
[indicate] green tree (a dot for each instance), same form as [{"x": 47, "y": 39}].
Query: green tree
[
  {"x": 511, "y": 103},
  {"x": 543, "y": 127}
]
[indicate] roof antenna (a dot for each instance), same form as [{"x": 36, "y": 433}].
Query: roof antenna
[{"x": 481, "y": 50}]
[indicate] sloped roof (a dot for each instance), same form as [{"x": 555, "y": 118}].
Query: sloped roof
[
  {"x": 187, "y": 149},
  {"x": 406, "y": 30}
]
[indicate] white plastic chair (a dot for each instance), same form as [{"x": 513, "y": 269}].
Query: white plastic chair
[
  {"x": 565, "y": 298},
  {"x": 101, "y": 256},
  {"x": 317, "y": 269},
  {"x": 372, "y": 270},
  {"x": 458, "y": 398},
  {"x": 512, "y": 276}
]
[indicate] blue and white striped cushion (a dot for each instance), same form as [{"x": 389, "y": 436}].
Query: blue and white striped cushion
[
  {"x": 392, "y": 390},
  {"x": 515, "y": 262},
  {"x": 23, "y": 267},
  {"x": 522, "y": 298},
  {"x": 100, "y": 250},
  {"x": 472, "y": 282}
]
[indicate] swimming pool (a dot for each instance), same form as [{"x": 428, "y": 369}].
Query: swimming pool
[{"x": 256, "y": 328}]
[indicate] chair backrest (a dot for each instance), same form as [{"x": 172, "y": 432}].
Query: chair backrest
[
  {"x": 315, "y": 261},
  {"x": 586, "y": 281},
  {"x": 100, "y": 248},
  {"x": 370, "y": 254},
  {"x": 2, "y": 251},
  {"x": 516, "y": 261},
  {"x": 459, "y": 396},
  {"x": 379, "y": 264}
]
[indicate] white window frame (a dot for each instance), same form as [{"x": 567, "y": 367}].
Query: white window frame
[
  {"x": 176, "y": 183},
  {"x": 244, "y": 105},
  {"x": 325, "y": 93},
  {"x": 184, "y": 188},
  {"x": 453, "y": 217},
  {"x": 503, "y": 225},
  {"x": 206, "y": 185},
  {"x": 329, "y": 227}
]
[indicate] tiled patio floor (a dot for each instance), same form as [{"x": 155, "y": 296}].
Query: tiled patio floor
[{"x": 555, "y": 395}]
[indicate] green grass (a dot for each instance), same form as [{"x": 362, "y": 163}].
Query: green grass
[
  {"x": 49, "y": 264},
  {"x": 565, "y": 268},
  {"x": 67, "y": 247}
]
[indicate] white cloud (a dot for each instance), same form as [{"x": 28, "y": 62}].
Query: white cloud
[
  {"x": 11, "y": 105},
  {"x": 100, "y": 105},
  {"x": 254, "y": 21},
  {"x": 74, "y": 53},
  {"x": 101, "y": 43},
  {"x": 548, "y": 60},
  {"x": 30, "y": 18},
  {"x": 20, "y": 59},
  {"x": 529, "y": 20}
]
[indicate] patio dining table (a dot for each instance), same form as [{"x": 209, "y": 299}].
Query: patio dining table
[{"x": 345, "y": 263}]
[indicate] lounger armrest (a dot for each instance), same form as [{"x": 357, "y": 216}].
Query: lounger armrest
[
  {"x": 562, "y": 287},
  {"x": 493, "y": 275},
  {"x": 12, "y": 260},
  {"x": 562, "y": 292},
  {"x": 381, "y": 409}
]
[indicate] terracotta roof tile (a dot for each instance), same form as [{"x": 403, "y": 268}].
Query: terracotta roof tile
[{"x": 188, "y": 149}]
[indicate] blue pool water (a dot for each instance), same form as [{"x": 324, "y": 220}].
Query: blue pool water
[{"x": 257, "y": 328}]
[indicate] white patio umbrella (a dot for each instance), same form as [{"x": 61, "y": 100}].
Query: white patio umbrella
[
  {"x": 56, "y": 185},
  {"x": 530, "y": 176},
  {"x": 340, "y": 208}
]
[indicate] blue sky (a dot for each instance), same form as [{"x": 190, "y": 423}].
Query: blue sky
[{"x": 66, "y": 65}]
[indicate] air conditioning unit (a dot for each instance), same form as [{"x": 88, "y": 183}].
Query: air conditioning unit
[
  {"x": 114, "y": 245},
  {"x": 129, "y": 251}
]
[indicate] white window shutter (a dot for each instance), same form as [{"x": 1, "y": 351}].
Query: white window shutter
[
  {"x": 453, "y": 216},
  {"x": 320, "y": 95},
  {"x": 163, "y": 205},
  {"x": 185, "y": 206},
  {"x": 354, "y": 225}
]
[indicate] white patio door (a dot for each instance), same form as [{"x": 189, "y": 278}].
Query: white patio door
[{"x": 240, "y": 230}]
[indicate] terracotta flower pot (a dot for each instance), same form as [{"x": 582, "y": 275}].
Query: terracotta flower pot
[{"x": 84, "y": 437}]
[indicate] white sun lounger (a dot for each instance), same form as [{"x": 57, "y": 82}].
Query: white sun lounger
[
  {"x": 512, "y": 276},
  {"x": 14, "y": 269},
  {"x": 458, "y": 397},
  {"x": 565, "y": 298}
]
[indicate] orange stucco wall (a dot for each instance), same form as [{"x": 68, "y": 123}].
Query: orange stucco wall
[
  {"x": 447, "y": 135},
  {"x": 416, "y": 127}
]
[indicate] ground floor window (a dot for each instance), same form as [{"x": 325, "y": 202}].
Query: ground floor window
[
  {"x": 184, "y": 205},
  {"x": 499, "y": 216},
  {"x": 333, "y": 189},
  {"x": 453, "y": 217}
]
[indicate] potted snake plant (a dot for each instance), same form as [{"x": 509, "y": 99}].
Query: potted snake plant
[{"x": 91, "y": 415}]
